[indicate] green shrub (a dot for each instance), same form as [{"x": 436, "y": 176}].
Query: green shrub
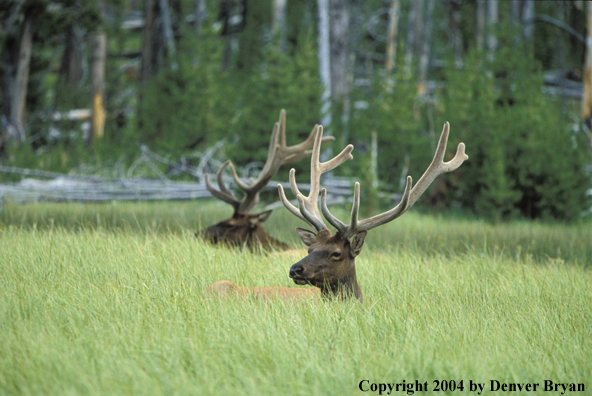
[
  {"x": 189, "y": 107},
  {"x": 524, "y": 159},
  {"x": 282, "y": 81}
]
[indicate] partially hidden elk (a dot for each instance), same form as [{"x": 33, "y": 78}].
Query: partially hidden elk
[
  {"x": 330, "y": 263},
  {"x": 244, "y": 228}
]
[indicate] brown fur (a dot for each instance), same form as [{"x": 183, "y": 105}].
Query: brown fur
[
  {"x": 330, "y": 264},
  {"x": 225, "y": 288},
  {"x": 243, "y": 230},
  {"x": 332, "y": 275}
]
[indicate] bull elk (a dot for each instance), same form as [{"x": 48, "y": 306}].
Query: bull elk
[
  {"x": 244, "y": 228},
  {"x": 330, "y": 263}
]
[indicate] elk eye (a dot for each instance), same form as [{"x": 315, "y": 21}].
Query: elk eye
[{"x": 335, "y": 256}]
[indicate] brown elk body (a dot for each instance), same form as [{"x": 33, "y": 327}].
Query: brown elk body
[
  {"x": 330, "y": 263},
  {"x": 226, "y": 288},
  {"x": 244, "y": 228}
]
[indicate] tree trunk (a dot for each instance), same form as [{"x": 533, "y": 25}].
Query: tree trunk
[
  {"x": 200, "y": 14},
  {"x": 71, "y": 67},
  {"x": 325, "y": 61},
  {"x": 17, "y": 56},
  {"x": 454, "y": 33},
  {"x": 278, "y": 23},
  {"x": 410, "y": 41},
  {"x": 479, "y": 30},
  {"x": 339, "y": 47},
  {"x": 492, "y": 17},
  {"x": 167, "y": 33},
  {"x": 587, "y": 96},
  {"x": 8, "y": 130},
  {"x": 424, "y": 59},
  {"x": 149, "y": 64},
  {"x": 391, "y": 45},
  {"x": 413, "y": 34},
  {"x": 98, "y": 85},
  {"x": 418, "y": 26},
  {"x": 527, "y": 17},
  {"x": 515, "y": 12},
  {"x": 22, "y": 76}
]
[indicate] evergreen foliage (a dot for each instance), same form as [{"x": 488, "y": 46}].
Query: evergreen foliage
[
  {"x": 189, "y": 107},
  {"x": 281, "y": 81},
  {"x": 524, "y": 158}
]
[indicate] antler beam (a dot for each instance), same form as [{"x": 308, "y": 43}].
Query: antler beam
[
  {"x": 308, "y": 210},
  {"x": 410, "y": 196},
  {"x": 278, "y": 154}
]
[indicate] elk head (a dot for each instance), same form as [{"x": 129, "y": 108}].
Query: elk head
[
  {"x": 330, "y": 264},
  {"x": 244, "y": 228}
]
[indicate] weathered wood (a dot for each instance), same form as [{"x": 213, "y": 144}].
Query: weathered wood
[{"x": 98, "y": 189}]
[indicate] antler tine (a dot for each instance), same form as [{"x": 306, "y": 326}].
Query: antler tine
[
  {"x": 308, "y": 206},
  {"x": 382, "y": 218},
  {"x": 438, "y": 166},
  {"x": 220, "y": 179},
  {"x": 293, "y": 209},
  {"x": 356, "y": 226},
  {"x": 278, "y": 154},
  {"x": 334, "y": 221},
  {"x": 316, "y": 222},
  {"x": 300, "y": 151},
  {"x": 224, "y": 193},
  {"x": 255, "y": 200}
]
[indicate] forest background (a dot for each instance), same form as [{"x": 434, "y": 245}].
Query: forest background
[{"x": 513, "y": 78}]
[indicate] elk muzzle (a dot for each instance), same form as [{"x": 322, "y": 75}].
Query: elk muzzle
[
  {"x": 296, "y": 272},
  {"x": 312, "y": 270}
]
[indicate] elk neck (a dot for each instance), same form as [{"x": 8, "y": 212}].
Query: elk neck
[{"x": 343, "y": 288}]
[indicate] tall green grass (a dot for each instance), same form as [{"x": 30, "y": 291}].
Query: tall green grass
[
  {"x": 423, "y": 234},
  {"x": 115, "y": 306}
]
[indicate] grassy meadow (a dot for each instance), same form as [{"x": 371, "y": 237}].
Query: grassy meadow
[{"x": 107, "y": 300}]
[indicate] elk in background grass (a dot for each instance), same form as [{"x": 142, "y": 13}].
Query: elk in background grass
[
  {"x": 330, "y": 264},
  {"x": 244, "y": 228}
]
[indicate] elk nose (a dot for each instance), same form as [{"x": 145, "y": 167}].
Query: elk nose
[{"x": 296, "y": 270}]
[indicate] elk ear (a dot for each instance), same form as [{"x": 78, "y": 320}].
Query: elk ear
[
  {"x": 259, "y": 218},
  {"x": 356, "y": 243},
  {"x": 307, "y": 237}
]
